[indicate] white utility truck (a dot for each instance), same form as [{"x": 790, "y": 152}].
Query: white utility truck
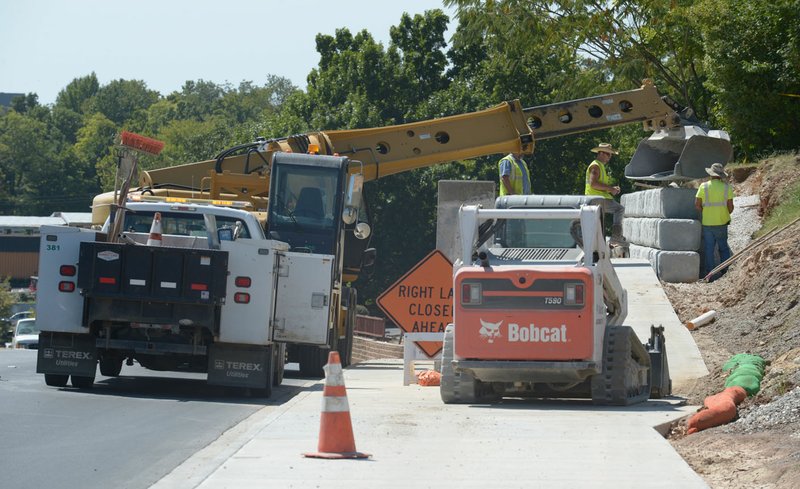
[{"x": 216, "y": 295}]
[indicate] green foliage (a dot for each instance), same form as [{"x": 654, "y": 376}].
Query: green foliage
[
  {"x": 27, "y": 155},
  {"x": 6, "y": 297},
  {"x": 78, "y": 93},
  {"x": 122, "y": 100},
  {"x": 752, "y": 49},
  {"x": 788, "y": 209}
]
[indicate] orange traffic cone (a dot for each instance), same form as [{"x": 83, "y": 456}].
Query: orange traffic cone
[
  {"x": 155, "y": 231},
  {"x": 335, "y": 430}
]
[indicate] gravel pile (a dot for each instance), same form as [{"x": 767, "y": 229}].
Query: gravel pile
[
  {"x": 744, "y": 222},
  {"x": 781, "y": 411}
]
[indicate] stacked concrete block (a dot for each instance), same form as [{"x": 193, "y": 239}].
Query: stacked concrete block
[
  {"x": 662, "y": 226},
  {"x": 670, "y": 266},
  {"x": 668, "y": 202},
  {"x": 663, "y": 234}
]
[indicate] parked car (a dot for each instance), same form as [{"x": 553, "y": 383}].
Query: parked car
[
  {"x": 12, "y": 320},
  {"x": 26, "y": 335}
]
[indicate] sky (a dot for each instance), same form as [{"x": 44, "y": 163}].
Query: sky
[{"x": 45, "y": 44}]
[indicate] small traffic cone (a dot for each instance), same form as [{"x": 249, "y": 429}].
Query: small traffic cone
[
  {"x": 155, "y": 231},
  {"x": 335, "y": 430}
]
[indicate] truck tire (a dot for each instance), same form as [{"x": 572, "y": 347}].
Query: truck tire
[
  {"x": 311, "y": 359},
  {"x": 345, "y": 346},
  {"x": 454, "y": 387},
  {"x": 110, "y": 366},
  {"x": 625, "y": 378},
  {"x": 80, "y": 382},
  {"x": 271, "y": 355},
  {"x": 56, "y": 380},
  {"x": 279, "y": 350}
]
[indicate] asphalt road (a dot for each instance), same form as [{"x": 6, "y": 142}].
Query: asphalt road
[{"x": 126, "y": 432}]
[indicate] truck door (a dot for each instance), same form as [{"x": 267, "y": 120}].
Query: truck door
[
  {"x": 250, "y": 291},
  {"x": 59, "y": 305},
  {"x": 303, "y": 299}
]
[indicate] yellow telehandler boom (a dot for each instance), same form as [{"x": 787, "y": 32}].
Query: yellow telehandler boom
[{"x": 678, "y": 149}]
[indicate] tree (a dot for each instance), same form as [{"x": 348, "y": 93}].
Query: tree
[
  {"x": 122, "y": 100},
  {"x": 77, "y": 93},
  {"x": 93, "y": 150},
  {"x": 26, "y": 146},
  {"x": 633, "y": 39},
  {"x": 6, "y": 297},
  {"x": 753, "y": 55}
]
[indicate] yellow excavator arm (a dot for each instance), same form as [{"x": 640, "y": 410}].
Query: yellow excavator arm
[{"x": 384, "y": 151}]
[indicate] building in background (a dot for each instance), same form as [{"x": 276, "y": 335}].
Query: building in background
[{"x": 19, "y": 242}]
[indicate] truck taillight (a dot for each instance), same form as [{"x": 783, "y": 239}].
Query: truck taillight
[
  {"x": 67, "y": 270},
  {"x": 470, "y": 293},
  {"x": 241, "y": 298},
  {"x": 66, "y": 286},
  {"x": 243, "y": 282},
  {"x": 573, "y": 294}
]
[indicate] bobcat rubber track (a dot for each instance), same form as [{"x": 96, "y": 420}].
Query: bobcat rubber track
[
  {"x": 625, "y": 378},
  {"x": 455, "y": 387}
]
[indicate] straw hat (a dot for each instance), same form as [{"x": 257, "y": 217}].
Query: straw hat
[
  {"x": 717, "y": 170},
  {"x": 605, "y": 148}
]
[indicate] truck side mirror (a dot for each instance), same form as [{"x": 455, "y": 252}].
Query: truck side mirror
[
  {"x": 352, "y": 198},
  {"x": 362, "y": 230}
]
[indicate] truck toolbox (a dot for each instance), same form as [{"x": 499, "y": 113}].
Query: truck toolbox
[
  {"x": 160, "y": 274},
  {"x": 147, "y": 284}
]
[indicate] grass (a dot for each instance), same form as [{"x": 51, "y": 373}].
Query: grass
[{"x": 789, "y": 209}]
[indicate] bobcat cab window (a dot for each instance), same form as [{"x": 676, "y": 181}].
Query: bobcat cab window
[
  {"x": 180, "y": 224},
  {"x": 536, "y": 233}
]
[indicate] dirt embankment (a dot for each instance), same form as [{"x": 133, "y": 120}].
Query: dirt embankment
[{"x": 757, "y": 312}]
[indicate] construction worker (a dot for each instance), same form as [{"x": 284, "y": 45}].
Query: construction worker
[
  {"x": 514, "y": 178},
  {"x": 714, "y": 201},
  {"x": 598, "y": 182}
]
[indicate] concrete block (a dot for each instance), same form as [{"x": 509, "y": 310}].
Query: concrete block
[
  {"x": 670, "y": 266},
  {"x": 664, "y": 234},
  {"x": 452, "y": 195},
  {"x": 668, "y": 202}
]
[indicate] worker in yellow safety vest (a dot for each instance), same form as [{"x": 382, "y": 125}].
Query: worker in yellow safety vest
[
  {"x": 714, "y": 201},
  {"x": 598, "y": 182},
  {"x": 514, "y": 177}
]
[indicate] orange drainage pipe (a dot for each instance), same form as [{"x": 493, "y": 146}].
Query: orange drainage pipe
[{"x": 718, "y": 409}]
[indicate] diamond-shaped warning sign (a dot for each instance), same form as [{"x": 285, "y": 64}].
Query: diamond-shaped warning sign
[{"x": 421, "y": 301}]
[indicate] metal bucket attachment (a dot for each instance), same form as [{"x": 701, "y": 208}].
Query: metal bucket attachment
[{"x": 681, "y": 153}]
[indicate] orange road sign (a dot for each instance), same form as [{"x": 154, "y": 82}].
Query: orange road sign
[{"x": 422, "y": 299}]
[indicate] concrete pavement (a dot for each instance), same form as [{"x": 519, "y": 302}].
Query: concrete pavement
[
  {"x": 648, "y": 305},
  {"x": 417, "y": 441}
]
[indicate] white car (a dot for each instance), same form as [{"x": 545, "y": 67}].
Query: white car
[
  {"x": 16, "y": 317},
  {"x": 26, "y": 335}
]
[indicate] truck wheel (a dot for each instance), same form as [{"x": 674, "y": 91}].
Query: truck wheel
[
  {"x": 279, "y": 350},
  {"x": 56, "y": 380},
  {"x": 345, "y": 346},
  {"x": 267, "y": 390},
  {"x": 110, "y": 366},
  {"x": 455, "y": 387},
  {"x": 81, "y": 382},
  {"x": 311, "y": 359}
]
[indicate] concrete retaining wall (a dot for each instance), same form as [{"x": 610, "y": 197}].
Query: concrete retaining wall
[
  {"x": 669, "y": 202},
  {"x": 670, "y": 266},
  {"x": 663, "y": 228},
  {"x": 663, "y": 234}
]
